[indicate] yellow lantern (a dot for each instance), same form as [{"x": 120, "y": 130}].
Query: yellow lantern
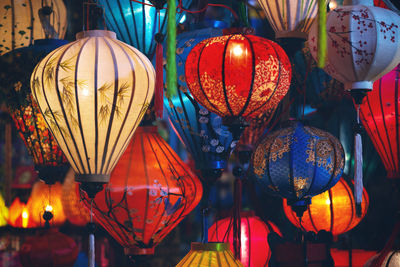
[
  {"x": 3, "y": 212},
  {"x": 75, "y": 211},
  {"x": 23, "y": 21},
  {"x": 209, "y": 254},
  {"x": 93, "y": 94},
  {"x": 46, "y": 198}
]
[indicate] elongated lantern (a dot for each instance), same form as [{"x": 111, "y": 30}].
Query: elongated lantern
[
  {"x": 93, "y": 94},
  {"x": 23, "y": 21}
]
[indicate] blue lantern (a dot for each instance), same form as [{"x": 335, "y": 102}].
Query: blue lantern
[
  {"x": 207, "y": 140},
  {"x": 297, "y": 163},
  {"x": 136, "y": 23}
]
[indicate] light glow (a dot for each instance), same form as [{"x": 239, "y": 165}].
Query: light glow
[{"x": 25, "y": 217}]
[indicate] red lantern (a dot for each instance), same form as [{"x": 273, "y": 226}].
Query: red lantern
[
  {"x": 150, "y": 191},
  {"x": 238, "y": 76},
  {"x": 47, "y": 249},
  {"x": 333, "y": 210},
  {"x": 380, "y": 117},
  {"x": 254, "y": 250}
]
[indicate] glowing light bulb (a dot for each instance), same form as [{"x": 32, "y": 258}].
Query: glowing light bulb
[
  {"x": 332, "y": 5},
  {"x": 237, "y": 50},
  {"x": 25, "y": 217},
  {"x": 327, "y": 201},
  {"x": 49, "y": 208},
  {"x": 85, "y": 92}
]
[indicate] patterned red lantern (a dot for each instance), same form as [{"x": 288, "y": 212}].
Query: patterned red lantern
[
  {"x": 47, "y": 249},
  {"x": 238, "y": 76},
  {"x": 254, "y": 250},
  {"x": 333, "y": 211},
  {"x": 380, "y": 117},
  {"x": 150, "y": 191}
]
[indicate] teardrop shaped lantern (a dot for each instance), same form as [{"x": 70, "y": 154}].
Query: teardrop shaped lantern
[
  {"x": 24, "y": 21},
  {"x": 238, "y": 76},
  {"x": 290, "y": 19},
  {"x": 297, "y": 163},
  {"x": 254, "y": 249},
  {"x": 209, "y": 254},
  {"x": 150, "y": 191},
  {"x": 380, "y": 117},
  {"x": 15, "y": 70},
  {"x": 362, "y": 44},
  {"x": 333, "y": 211},
  {"x": 137, "y": 23},
  {"x": 93, "y": 94},
  {"x": 207, "y": 140}
]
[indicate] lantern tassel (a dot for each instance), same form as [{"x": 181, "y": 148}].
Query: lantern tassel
[
  {"x": 91, "y": 228},
  {"x": 159, "y": 95},
  {"x": 171, "y": 48},
  {"x": 321, "y": 33},
  {"x": 358, "y": 164},
  {"x": 237, "y": 206}
]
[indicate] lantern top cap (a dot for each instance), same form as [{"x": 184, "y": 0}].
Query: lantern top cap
[
  {"x": 211, "y": 246},
  {"x": 96, "y": 33},
  {"x": 358, "y": 2}
]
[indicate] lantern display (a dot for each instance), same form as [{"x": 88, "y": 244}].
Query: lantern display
[
  {"x": 74, "y": 210},
  {"x": 318, "y": 166},
  {"x": 137, "y": 23},
  {"x": 16, "y": 69},
  {"x": 24, "y": 21},
  {"x": 392, "y": 260},
  {"x": 46, "y": 198},
  {"x": 333, "y": 211},
  {"x": 362, "y": 43},
  {"x": 254, "y": 249},
  {"x": 379, "y": 115},
  {"x": 207, "y": 140},
  {"x": 209, "y": 254},
  {"x": 144, "y": 201},
  {"x": 20, "y": 215},
  {"x": 90, "y": 96},
  {"x": 49, "y": 248},
  {"x": 290, "y": 19},
  {"x": 238, "y": 76}
]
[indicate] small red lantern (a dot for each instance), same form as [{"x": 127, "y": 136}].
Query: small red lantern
[
  {"x": 380, "y": 117},
  {"x": 150, "y": 191},
  {"x": 47, "y": 249},
  {"x": 254, "y": 250},
  {"x": 333, "y": 211},
  {"x": 238, "y": 76}
]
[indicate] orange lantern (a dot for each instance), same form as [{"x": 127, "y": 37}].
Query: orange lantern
[
  {"x": 75, "y": 211},
  {"x": 333, "y": 210},
  {"x": 46, "y": 198},
  {"x": 19, "y": 215}
]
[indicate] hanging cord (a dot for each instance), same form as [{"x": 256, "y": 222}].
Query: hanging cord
[
  {"x": 237, "y": 208},
  {"x": 358, "y": 164},
  {"x": 159, "y": 94},
  {"x": 48, "y": 215},
  {"x": 91, "y": 229},
  {"x": 93, "y": 11}
]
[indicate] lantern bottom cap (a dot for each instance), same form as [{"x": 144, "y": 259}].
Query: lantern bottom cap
[
  {"x": 96, "y": 33},
  {"x": 362, "y": 85},
  {"x": 139, "y": 251},
  {"x": 291, "y": 34},
  {"x": 92, "y": 178},
  {"x": 211, "y": 246}
]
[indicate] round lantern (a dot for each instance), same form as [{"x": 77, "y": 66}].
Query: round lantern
[
  {"x": 24, "y": 21},
  {"x": 379, "y": 115},
  {"x": 46, "y": 198},
  {"x": 290, "y": 19},
  {"x": 49, "y": 248},
  {"x": 297, "y": 163},
  {"x": 254, "y": 249},
  {"x": 93, "y": 94},
  {"x": 333, "y": 211},
  {"x": 209, "y": 254},
  {"x": 362, "y": 44},
  {"x": 20, "y": 215},
  {"x": 392, "y": 260},
  {"x": 16, "y": 69},
  {"x": 74, "y": 210},
  {"x": 144, "y": 201},
  {"x": 238, "y": 76},
  {"x": 137, "y": 23},
  {"x": 207, "y": 140}
]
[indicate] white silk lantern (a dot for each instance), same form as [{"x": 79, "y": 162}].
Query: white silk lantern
[
  {"x": 23, "y": 21},
  {"x": 93, "y": 94}
]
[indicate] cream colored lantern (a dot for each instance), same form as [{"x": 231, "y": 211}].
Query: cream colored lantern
[
  {"x": 23, "y": 21},
  {"x": 290, "y": 18},
  {"x": 93, "y": 94}
]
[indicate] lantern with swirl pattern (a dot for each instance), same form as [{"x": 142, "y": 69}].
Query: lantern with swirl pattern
[
  {"x": 297, "y": 163},
  {"x": 238, "y": 77},
  {"x": 144, "y": 201},
  {"x": 93, "y": 94}
]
